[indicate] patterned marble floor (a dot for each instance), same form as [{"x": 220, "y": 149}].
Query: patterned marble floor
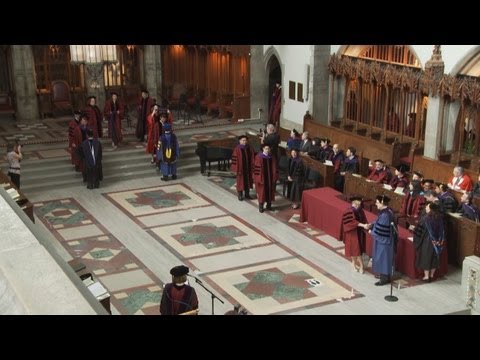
[
  {"x": 199, "y": 231},
  {"x": 292, "y": 218},
  {"x": 134, "y": 289}
]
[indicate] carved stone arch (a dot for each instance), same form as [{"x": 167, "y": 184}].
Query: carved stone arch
[
  {"x": 469, "y": 64},
  {"x": 357, "y": 50}
]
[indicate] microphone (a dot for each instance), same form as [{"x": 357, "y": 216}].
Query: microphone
[{"x": 196, "y": 279}]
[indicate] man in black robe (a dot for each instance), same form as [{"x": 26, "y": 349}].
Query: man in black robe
[{"x": 91, "y": 153}]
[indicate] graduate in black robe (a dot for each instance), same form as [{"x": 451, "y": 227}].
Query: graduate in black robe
[
  {"x": 91, "y": 153},
  {"x": 295, "y": 178},
  {"x": 429, "y": 241}
]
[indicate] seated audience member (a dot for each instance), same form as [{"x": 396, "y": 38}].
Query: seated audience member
[
  {"x": 315, "y": 149},
  {"x": 350, "y": 165},
  {"x": 378, "y": 172},
  {"x": 306, "y": 144},
  {"x": 432, "y": 197},
  {"x": 417, "y": 176},
  {"x": 326, "y": 149},
  {"x": 459, "y": 180},
  {"x": 337, "y": 158},
  {"x": 448, "y": 203},
  {"x": 400, "y": 179},
  {"x": 467, "y": 209},
  {"x": 428, "y": 184},
  {"x": 476, "y": 188},
  {"x": 413, "y": 203},
  {"x": 294, "y": 140}
]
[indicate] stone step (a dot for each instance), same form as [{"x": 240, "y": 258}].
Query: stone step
[
  {"x": 75, "y": 179},
  {"x": 110, "y": 159}
]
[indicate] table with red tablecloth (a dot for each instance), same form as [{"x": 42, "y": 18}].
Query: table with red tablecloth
[{"x": 323, "y": 208}]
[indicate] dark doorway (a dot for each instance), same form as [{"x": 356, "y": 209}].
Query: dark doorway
[{"x": 274, "y": 76}]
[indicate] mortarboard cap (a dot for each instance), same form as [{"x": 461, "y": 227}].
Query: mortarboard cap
[
  {"x": 179, "y": 270},
  {"x": 356, "y": 198}
]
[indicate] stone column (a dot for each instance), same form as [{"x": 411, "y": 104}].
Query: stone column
[
  {"x": 95, "y": 83},
  {"x": 25, "y": 83},
  {"x": 471, "y": 283},
  {"x": 320, "y": 94},
  {"x": 153, "y": 71},
  {"x": 258, "y": 84},
  {"x": 433, "y": 135}
]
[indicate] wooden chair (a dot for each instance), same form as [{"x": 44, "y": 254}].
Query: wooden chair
[{"x": 61, "y": 99}]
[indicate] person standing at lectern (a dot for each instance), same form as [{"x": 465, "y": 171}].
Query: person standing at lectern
[
  {"x": 383, "y": 240},
  {"x": 178, "y": 297}
]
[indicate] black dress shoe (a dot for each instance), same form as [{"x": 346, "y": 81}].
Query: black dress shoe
[
  {"x": 240, "y": 196},
  {"x": 174, "y": 177},
  {"x": 260, "y": 208},
  {"x": 164, "y": 178},
  {"x": 382, "y": 282},
  {"x": 269, "y": 207}
]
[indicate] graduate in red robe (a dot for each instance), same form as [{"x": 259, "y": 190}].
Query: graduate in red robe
[
  {"x": 71, "y": 128},
  {"x": 114, "y": 112},
  {"x": 413, "y": 204},
  {"x": 243, "y": 158},
  {"x": 265, "y": 176},
  {"x": 154, "y": 132},
  {"x": 95, "y": 117},
  {"x": 144, "y": 107},
  {"x": 79, "y": 136},
  {"x": 354, "y": 222}
]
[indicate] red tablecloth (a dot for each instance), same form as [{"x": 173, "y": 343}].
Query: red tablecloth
[{"x": 323, "y": 209}]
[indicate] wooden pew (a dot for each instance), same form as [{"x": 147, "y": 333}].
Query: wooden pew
[
  {"x": 326, "y": 172},
  {"x": 355, "y": 185},
  {"x": 369, "y": 148},
  {"x": 463, "y": 238},
  {"x": 22, "y": 201}
]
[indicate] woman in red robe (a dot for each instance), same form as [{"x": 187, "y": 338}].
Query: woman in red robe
[
  {"x": 154, "y": 132},
  {"x": 354, "y": 222}
]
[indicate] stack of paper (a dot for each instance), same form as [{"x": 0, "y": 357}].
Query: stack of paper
[
  {"x": 13, "y": 193},
  {"x": 98, "y": 290}
]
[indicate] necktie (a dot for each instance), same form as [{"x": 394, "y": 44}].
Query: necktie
[
  {"x": 92, "y": 151},
  {"x": 456, "y": 182}
]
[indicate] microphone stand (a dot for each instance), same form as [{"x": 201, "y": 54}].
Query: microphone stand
[
  {"x": 391, "y": 297},
  {"x": 199, "y": 282}
]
